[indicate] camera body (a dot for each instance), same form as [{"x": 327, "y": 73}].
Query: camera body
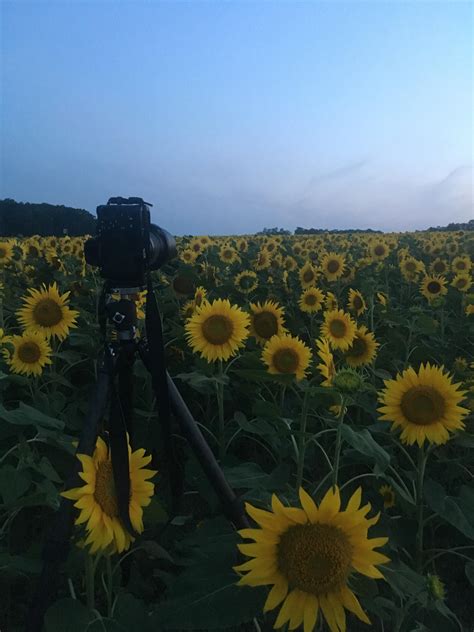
[{"x": 128, "y": 245}]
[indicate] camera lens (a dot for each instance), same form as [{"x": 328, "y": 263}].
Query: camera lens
[{"x": 162, "y": 247}]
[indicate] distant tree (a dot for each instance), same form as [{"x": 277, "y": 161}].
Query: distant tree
[
  {"x": 274, "y": 231},
  {"x": 454, "y": 226},
  {"x": 18, "y": 218}
]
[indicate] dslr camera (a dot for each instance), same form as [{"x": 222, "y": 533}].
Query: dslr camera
[{"x": 128, "y": 245}]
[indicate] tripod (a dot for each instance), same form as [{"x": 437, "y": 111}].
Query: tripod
[{"x": 114, "y": 385}]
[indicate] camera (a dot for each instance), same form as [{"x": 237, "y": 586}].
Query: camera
[{"x": 128, "y": 245}]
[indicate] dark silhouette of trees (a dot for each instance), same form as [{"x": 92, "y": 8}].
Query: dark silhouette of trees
[{"x": 25, "y": 219}]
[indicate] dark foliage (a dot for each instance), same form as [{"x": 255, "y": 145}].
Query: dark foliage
[{"x": 25, "y": 219}]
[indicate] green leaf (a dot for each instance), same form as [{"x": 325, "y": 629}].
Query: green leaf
[
  {"x": 457, "y": 511},
  {"x": 132, "y": 613},
  {"x": 13, "y": 483},
  {"x": 105, "y": 624},
  {"x": 363, "y": 442},
  {"x": 25, "y": 415},
  {"x": 67, "y": 614},
  {"x": 469, "y": 570}
]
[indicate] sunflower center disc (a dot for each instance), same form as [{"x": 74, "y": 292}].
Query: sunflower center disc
[
  {"x": 3, "y": 253},
  {"x": 333, "y": 266},
  {"x": 358, "y": 348},
  {"x": 286, "y": 361},
  {"x": 246, "y": 282},
  {"x": 265, "y": 325},
  {"x": 217, "y": 329},
  {"x": 311, "y": 299},
  {"x": 29, "y": 352},
  {"x": 357, "y": 303},
  {"x": 423, "y": 405},
  {"x": 439, "y": 267},
  {"x": 47, "y": 313},
  {"x": 461, "y": 283},
  {"x": 379, "y": 251},
  {"x": 316, "y": 558},
  {"x": 308, "y": 276},
  {"x": 410, "y": 266},
  {"x": 433, "y": 287},
  {"x": 338, "y": 328},
  {"x": 105, "y": 494}
]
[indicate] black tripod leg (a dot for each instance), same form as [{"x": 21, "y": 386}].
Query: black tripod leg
[
  {"x": 206, "y": 458},
  {"x": 57, "y": 542}
]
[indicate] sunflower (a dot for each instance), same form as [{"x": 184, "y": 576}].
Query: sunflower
[
  {"x": 462, "y": 282},
  {"x": 433, "y": 287},
  {"x": 286, "y": 355},
  {"x": 188, "y": 255},
  {"x": 308, "y": 275},
  {"x": 356, "y": 302},
  {"x": 331, "y": 301},
  {"x": 308, "y": 555},
  {"x": 424, "y": 404},
  {"x": 388, "y": 495},
  {"x": 262, "y": 261},
  {"x": 188, "y": 309},
  {"x": 266, "y": 321},
  {"x": 217, "y": 330},
  {"x": 326, "y": 368},
  {"x": 31, "y": 248},
  {"x": 6, "y": 252},
  {"x": 338, "y": 328},
  {"x": 362, "y": 349},
  {"x": 47, "y": 311},
  {"x": 461, "y": 264},
  {"x": 196, "y": 246},
  {"x": 311, "y": 300},
  {"x": 31, "y": 353},
  {"x": 332, "y": 266},
  {"x": 382, "y": 298},
  {"x": 379, "y": 250},
  {"x": 97, "y": 498},
  {"x": 290, "y": 264},
  {"x": 411, "y": 268},
  {"x": 184, "y": 284},
  {"x": 228, "y": 255},
  {"x": 200, "y": 295},
  {"x": 439, "y": 266},
  {"x": 246, "y": 281}
]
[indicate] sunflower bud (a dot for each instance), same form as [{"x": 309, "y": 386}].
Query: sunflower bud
[
  {"x": 435, "y": 586},
  {"x": 347, "y": 381}
]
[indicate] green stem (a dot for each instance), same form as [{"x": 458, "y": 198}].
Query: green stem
[
  {"x": 422, "y": 458},
  {"x": 110, "y": 585},
  {"x": 282, "y": 397},
  {"x": 337, "y": 455},
  {"x": 220, "y": 406},
  {"x": 89, "y": 577},
  {"x": 302, "y": 441}
]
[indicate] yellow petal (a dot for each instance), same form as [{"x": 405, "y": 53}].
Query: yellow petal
[
  {"x": 276, "y": 595},
  {"x": 308, "y": 505}
]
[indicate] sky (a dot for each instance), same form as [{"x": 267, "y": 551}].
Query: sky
[{"x": 233, "y": 116}]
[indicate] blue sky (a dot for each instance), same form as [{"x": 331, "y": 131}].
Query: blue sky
[{"x": 232, "y": 116}]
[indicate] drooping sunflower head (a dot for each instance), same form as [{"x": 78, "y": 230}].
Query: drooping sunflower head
[
  {"x": 432, "y": 287},
  {"x": 424, "y": 404},
  {"x": 356, "y": 302},
  {"x": 188, "y": 309},
  {"x": 97, "y": 498},
  {"x": 308, "y": 556},
  {"x": 246, "y": 281},
  {"x": 217, "y": 330},
  {"x": 263, "y": 260},
  {"x": 462, "y": 282},
  {"x": 6, "y": 252},
  {"x": 331, "y": 301},
  {"x": 184, "y": 284},
  {"x": 266, "y": 320},
  {"x": 339, "y": 328},
  {"x": 308, "y": 275},
  {"x": 286, "y": 355},
  {"x": 311, "y": 300},
  {"x": 31, "y": 353},
  {"x": 47, "y": 311},
  {"x": 332, "y": 265},
  {"x": 362, "y": 349},
  {"x": 289, "y": 263},
  {"x": 326, "y": 367}
]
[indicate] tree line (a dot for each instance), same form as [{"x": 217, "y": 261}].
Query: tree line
[{"x": 26, "y": 219}]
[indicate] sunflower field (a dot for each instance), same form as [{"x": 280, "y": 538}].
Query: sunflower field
[{"x": 332, "y": 376}]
